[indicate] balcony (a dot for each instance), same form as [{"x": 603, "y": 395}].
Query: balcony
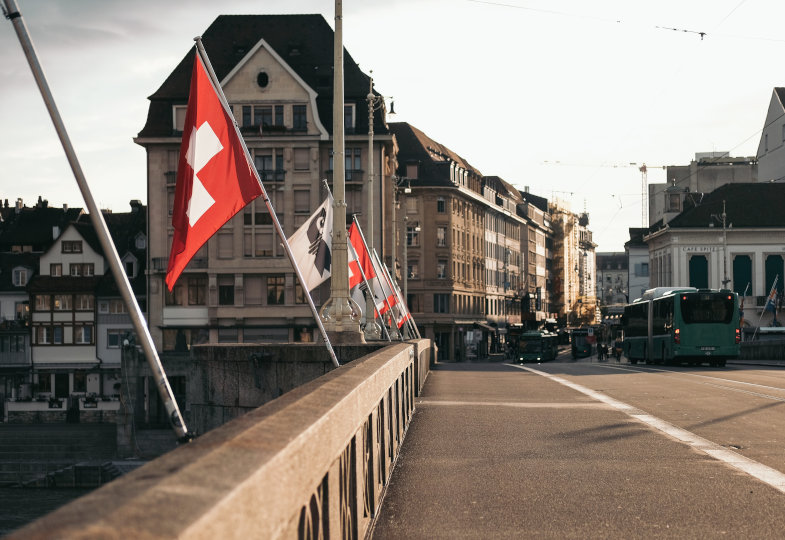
[
  {"x": 354, "y": 177},
  {"x": 160, "y": 264}
]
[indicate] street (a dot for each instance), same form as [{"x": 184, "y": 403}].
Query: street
[{"x": 588, "y": 449}]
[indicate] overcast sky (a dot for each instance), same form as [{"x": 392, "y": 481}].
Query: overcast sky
[{"x": 512, "y": 86}]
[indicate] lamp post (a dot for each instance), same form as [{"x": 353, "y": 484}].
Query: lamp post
[
  {"x": 375, "y": 102},
  {"x": 340, "y": 314}
]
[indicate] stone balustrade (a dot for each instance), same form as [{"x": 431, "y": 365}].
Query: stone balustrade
[{"x": 311, "y": 464}]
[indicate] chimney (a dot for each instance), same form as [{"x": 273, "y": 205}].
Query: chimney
[
  {"x": 19, "y": 205},
  {"x": 65, "y": 207}
]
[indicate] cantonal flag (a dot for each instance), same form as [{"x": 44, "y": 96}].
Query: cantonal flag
[{"x": 214, "y": 178}]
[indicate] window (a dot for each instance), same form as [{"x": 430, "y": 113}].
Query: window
[
  {"x": 43, "y": 335},
  {"x": 299, "y": 294},
  {"x": 227, "y": 335},
  {"x": 80, "y": 381},
  {"x": 412, "y": 171},
  {"x": 275, "y": 290},
  {"x": 62, "y": 302},
  {"x": 116, "y": 305},
  {"x": 301, "y": 159},
  {"x": 252, "y": 290},
  {"x": 130, "y": 269},
  {"x": 673, "y": 202},
  {"x": 225, "y": 240},
  {"x": 354, "y": 164},
  {"x": 441, "y": 236},
  {"x": 81, "y": 269},
  {"x": 441, "y": 269},
  {"x": 413, "y": 270},
  {"x": 56, "y": 269},
  {"x": 302, "y": 201},
  {"x": 699, "y": 272},
  {"x": 43, "y": 302},
  {"x": 413, "y": 236},
  {"x": 83, "y": 334},
  {"x": 742, "y": 274},
  {"x": 71, "y": 246},
  {"x": 20, "y": 277},
  {"x": 299, "y": 118},
  {"x": 348, "y": 118},
  {"x": 226, "y": 290},
  {"x": 441, "y": 303},
  {"x": 197, "y": 291},
  {"x": 440, "y": 206},
  {"x": 114, "y": 338},
  {"x": 179, "y": 117}
]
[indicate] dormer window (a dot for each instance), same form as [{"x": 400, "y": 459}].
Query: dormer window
[
  {"x": 20, "y": 276},
  {"x": 348, "y": 118},
  {"x": 178, "y": 117}
]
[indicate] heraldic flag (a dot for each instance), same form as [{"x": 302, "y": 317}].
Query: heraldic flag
[
  {"x": 214, "y": 178},
  {"x": 311, "y": 245}
]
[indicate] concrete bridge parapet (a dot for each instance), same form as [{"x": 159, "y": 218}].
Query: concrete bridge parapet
[{"x": 311, "y": 464}]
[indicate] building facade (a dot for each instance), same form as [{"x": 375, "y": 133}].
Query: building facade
[
  {"x": 745, "y": 255},
  {"x": 462, "y": 253},
  {"x": 276, "y": 72}
]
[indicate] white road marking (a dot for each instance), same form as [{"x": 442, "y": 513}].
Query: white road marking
[
  {"x": 514, "y": 404},
  {"x": 764, "y": 473},
  {"x": 714, "y": 385}
]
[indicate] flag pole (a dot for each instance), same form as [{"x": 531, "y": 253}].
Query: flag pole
[
  {"x": 265, "y": 198},
  {"x": 384, "y": 296},
  {"x": 135, "y": 313},
  {"x": 372, "y": 303},
  {"x": 382, "y": 281}
]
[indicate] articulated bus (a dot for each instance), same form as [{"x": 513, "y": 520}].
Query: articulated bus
[{"x": 682, "y": 325}]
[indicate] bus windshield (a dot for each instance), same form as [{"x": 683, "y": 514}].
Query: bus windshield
[
  {"x": 706, "y": 308},
  {"x": 532, "y": 345}
]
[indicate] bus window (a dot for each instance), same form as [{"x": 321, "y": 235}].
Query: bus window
[{"x": 706, "y": 308}]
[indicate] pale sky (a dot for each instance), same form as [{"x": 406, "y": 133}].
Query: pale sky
[{"x": 512, "y": 86}]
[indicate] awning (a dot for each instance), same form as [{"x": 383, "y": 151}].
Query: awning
[
  {"x": 64, "y": 366},
  {"x": 484, "y": 326}
]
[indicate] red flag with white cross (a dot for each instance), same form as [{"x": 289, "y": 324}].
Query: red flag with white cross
[{"x": 214, "y": 178}]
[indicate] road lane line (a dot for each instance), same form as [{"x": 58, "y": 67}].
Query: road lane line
[
  {"x": 764, "y": 473},
  {"x": 514, "y": 404},
  {"x": 655, "y": 371}
]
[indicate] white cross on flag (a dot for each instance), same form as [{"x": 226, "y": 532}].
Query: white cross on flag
[{"x": 214, "y": 178}]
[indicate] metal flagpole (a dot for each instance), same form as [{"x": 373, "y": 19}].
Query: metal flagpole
[
  {"x": 137, "y": 318},
  {"x": 384, "y": 279},
  {"x": 265, "y": 198},
  {"x": 372, "y": 304}
]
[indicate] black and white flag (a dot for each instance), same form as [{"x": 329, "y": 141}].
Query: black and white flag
[{"x": 311, "y": 245}]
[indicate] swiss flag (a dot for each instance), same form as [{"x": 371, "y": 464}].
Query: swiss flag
[{"x": 214, "y": 178}]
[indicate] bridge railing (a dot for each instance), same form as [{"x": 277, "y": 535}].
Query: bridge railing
[{"x": 310, "y": 464}]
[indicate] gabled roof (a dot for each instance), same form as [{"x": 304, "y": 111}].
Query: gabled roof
[
  {"x": 304, "y": 42},
  {"x": 433, "y": 158},
  {"x": 746, "y": 205},
  {"x": 34, "y": 226},
  {"x": 535, "y": 200}
]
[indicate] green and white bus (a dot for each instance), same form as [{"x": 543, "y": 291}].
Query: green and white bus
[{"x": 682, "y": 325}]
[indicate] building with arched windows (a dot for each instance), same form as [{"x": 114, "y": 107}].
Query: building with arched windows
[{"x": 731, "y": 238}]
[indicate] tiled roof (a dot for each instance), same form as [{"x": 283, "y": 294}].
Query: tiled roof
[
  {"x": 433, "y": 158},
  {"x": 304, "y": 42},
  {"x": 746, "y": 205}
]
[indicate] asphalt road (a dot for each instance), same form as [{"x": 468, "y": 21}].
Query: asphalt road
[{"x": 591, "y": 449}]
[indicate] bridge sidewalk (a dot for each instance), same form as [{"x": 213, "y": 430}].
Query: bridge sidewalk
[{"x": 494, "y": 451}]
